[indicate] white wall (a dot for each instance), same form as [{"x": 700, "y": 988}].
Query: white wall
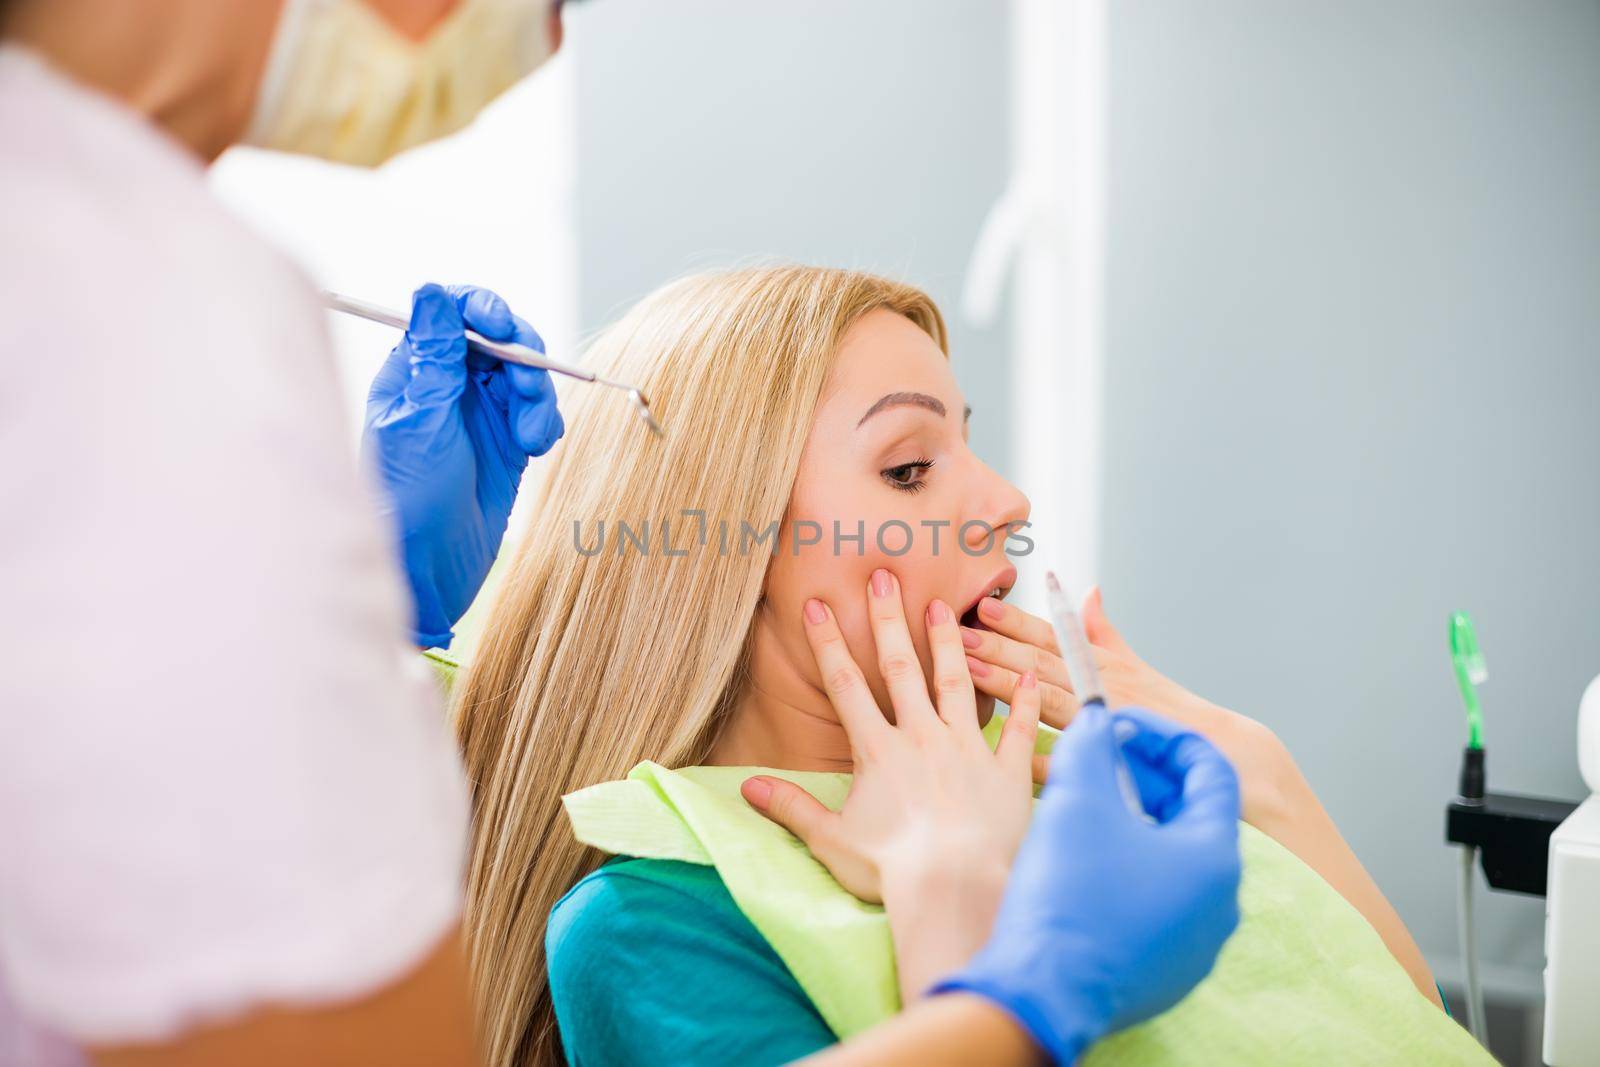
[
  {"x": 851, "y": 134},
  {"x": 1352, "y": 382},
  {"x": 490, "y": 206}
]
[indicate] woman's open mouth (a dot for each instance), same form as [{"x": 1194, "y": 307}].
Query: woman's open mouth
[{"x": 998, "y": 587}]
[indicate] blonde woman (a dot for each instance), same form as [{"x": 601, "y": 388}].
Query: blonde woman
[{"x": 819, "y": 404}]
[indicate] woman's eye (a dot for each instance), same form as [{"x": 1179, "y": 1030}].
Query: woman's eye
[{"x": 908, "y": 477}]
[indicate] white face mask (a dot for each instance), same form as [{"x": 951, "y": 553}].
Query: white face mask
[{"x": 342, "y": 84}]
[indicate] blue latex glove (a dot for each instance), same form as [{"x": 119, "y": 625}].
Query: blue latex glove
[
  {"x": 449, "y": 434},
  {"x": 1109, "y": 919}
]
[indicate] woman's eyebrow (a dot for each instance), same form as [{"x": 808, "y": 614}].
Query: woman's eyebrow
[{"x": 896, "y": 400}]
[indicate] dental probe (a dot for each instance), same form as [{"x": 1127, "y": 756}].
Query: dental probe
[
  {"x": 1085, "y": 677},
  {"x": 506, "y": 351}
]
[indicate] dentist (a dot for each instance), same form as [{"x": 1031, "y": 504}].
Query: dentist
[{"x": 231, "y": 819}]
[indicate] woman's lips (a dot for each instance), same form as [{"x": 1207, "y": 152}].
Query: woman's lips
[
  {"x": 969, "y": 618},
  {"x": 999, "y": 585}
]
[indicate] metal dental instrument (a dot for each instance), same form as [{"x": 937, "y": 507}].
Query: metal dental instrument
[
  {"x": 1085, "y": 676},
  {"x": 501, "y": 350}
]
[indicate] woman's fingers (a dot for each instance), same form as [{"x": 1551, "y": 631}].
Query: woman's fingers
[
  {"x": 952, "y": 685},
  {"x": 841, "y": 678},
  {"x": 1041, "y": 768},
  {"x": 1098, "y": 628},
  {"x": 1013, "y": 622},
  {"x": 788, "y": 805},
  {"x": 1015, "y": 747},
  {"x": 804, "y": 816},
  {"x": 1014, "y": 656},
  {"x": 1057, "y": 705},
  {"x": 898, "y": 664}
]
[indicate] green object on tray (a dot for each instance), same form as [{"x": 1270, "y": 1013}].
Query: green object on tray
[{"x": 1471, "y": 672}]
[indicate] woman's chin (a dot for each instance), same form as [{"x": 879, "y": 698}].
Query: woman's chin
[{"x": 985, "y": 709}]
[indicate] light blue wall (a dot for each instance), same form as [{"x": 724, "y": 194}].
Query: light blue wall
[
  {"x": 851, "y": 134},
  {"x": 1353, "y": 383}
]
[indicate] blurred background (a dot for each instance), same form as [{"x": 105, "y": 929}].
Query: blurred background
[{"x": 1284, "y": 314}]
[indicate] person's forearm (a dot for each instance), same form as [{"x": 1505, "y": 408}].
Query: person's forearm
[
  {"x": 1288, "y": 811},
  {"x": 952, "y": 1030},
  {"x": 421, "y": 1019},
  {"x": 939, "y": 917}
]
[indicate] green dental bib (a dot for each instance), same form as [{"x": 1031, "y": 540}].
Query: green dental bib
[{"x": 1305, "y": 979}]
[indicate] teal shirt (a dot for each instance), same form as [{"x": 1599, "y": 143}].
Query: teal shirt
[{"x": 652, "y": 962}]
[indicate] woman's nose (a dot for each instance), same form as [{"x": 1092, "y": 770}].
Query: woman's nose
[{"x": 1005, "y": 507}]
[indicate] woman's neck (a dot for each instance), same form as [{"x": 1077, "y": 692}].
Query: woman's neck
[{"x": 782, "y": 720}]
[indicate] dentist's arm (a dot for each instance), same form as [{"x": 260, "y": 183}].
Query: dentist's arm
[
  {"x": 449, "y": 434},
  {"x": 421, "y": 1019},
  {"x": 958, "y": 1030}
]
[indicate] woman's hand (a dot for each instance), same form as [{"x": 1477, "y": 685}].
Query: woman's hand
[
  {"x": 933, "y": 818},
  {"x": 1275, "y": 797},
  {"x": 1108, "y": 919},
  {"x": 1017, "y": 642}
]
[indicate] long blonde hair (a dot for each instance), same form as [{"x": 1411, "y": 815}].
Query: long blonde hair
[{"x": 593, "y": 662}]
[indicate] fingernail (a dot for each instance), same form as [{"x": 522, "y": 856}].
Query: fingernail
[
  {"x": 977, "y": 668},
  {"x": 938, "y": 614},
  {"x": 880, "y": 582},
  {"x": 970, "y": 637},
  {"x": 989, "y": 608},
  {"x": 1028, "y": 680},
  {"x": 757, "y": 791},
  {"x": 815, "y": 612}
]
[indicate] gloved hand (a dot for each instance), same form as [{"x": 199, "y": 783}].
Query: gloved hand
[
  {"x": 449, "y": 434},
  {"x": 1109, "y": 919}
]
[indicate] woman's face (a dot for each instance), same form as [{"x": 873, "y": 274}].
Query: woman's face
[{"x": 887, "y": 458}]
